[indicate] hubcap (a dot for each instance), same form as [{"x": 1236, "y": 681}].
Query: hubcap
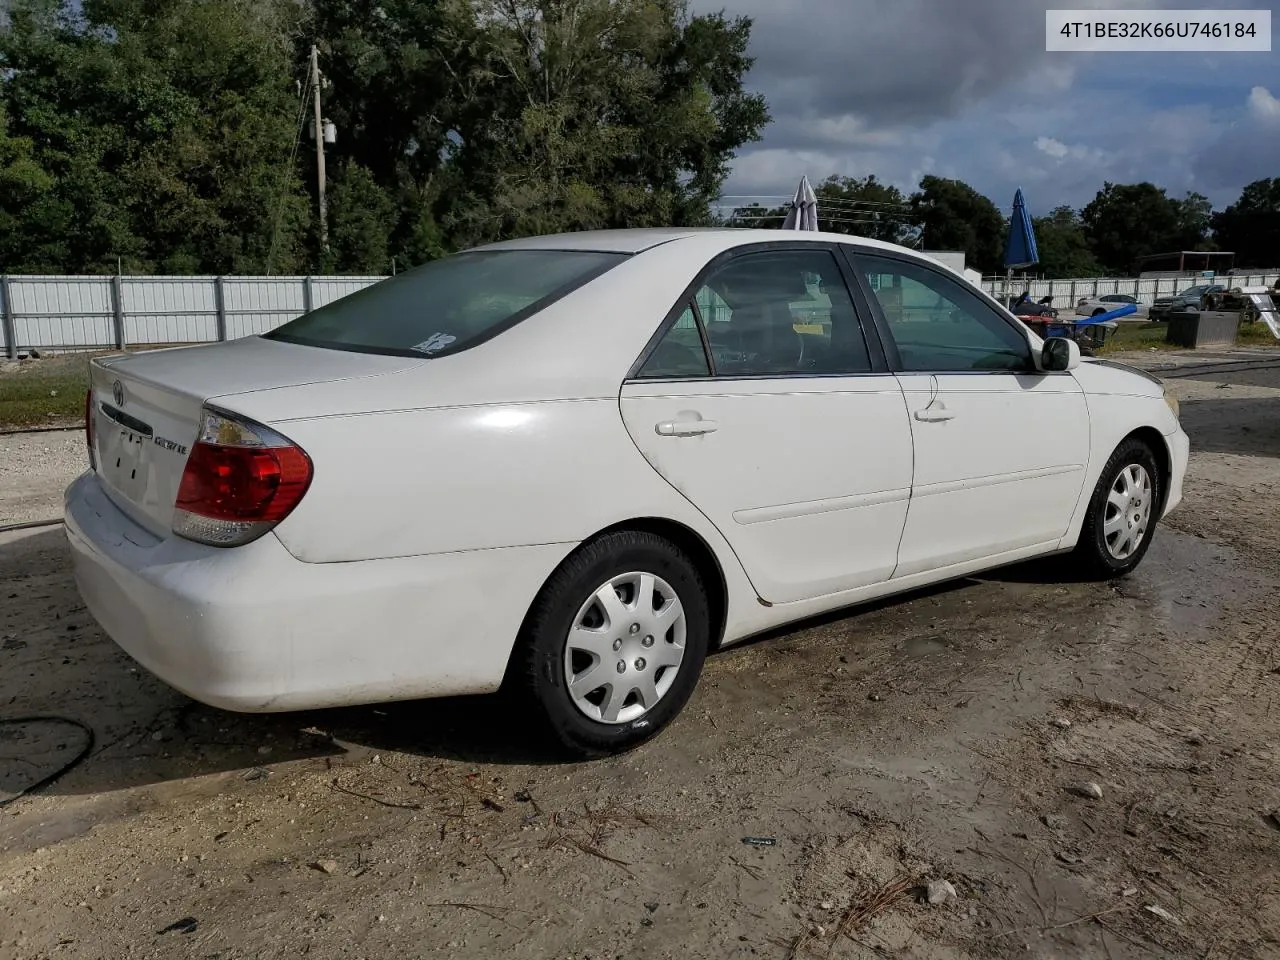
[
  {"x": 625, "y": 647},
  {"x": 1128, "y": 513}
]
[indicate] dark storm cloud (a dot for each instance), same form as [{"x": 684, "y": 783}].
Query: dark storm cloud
[
  {"x": 890, "y": 62},
  {"x": 964, "y": 88}
]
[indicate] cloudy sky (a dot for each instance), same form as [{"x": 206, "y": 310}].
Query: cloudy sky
[{"x": 965, "y": 89}]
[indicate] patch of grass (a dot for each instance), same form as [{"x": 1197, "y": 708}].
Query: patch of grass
[
  {"x": 45, "y": 392},
  {"x": 1138, "y": 336},
  {"x": 1256, "y": 334},
  {"x": 1146, "y": 336}
]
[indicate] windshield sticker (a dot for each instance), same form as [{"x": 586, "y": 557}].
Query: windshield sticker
[{"x": 434, "y": 343}]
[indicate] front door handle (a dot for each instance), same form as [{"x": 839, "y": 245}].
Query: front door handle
[
  {"x": 686, "y": 428},
  {"x": 934, "y": 414}
]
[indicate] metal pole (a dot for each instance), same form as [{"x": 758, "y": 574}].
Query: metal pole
[
  {"x": 319, "y": 132},
  {"x": 117, "y": 309},
  {"x": 308, "y": 296},
  {"x": 220, "y": 304},
  {"x": 6, "y": 320}
]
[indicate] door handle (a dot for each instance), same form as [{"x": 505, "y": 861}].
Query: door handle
[
  {"x": 934, "y": 414},
  {"x": 686, "y": 428}
]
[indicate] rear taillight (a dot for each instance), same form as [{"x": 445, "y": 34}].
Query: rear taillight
[
  {"x": 88, "y": 426},
  {"x": 241, "y": 479}
]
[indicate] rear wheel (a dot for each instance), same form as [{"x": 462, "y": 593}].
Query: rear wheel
[
  {"x": 614, "y": 644},
  {"x": 1123, "y": 512}
]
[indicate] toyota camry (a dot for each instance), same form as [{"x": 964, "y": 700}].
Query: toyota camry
[{"x": 567, "y": 467}]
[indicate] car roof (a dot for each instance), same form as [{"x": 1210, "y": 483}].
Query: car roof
[{"x": 641, "y": 239}]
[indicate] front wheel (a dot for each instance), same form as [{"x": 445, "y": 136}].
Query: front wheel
[
  {"x": 614, "y": 644},
  {"x": 1123, "y": 512}
]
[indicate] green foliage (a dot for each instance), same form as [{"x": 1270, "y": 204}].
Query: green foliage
[
  {"x": 1250, "y": 227},
  {"x": 1063, "y": 247},
  {"x": 361, "y": 217},
  {"x": 171, "y": 135},
  {"x": 162, "y": 130},
  {"x": 1127, "y": 221},
  {"x": 956, "y": 217},
  {"x": 865, "y": 207}
]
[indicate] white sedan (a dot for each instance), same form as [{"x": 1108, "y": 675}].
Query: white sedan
[
  {"x": 568, "y": 467},
  {"x": 1093, "y": 306}
]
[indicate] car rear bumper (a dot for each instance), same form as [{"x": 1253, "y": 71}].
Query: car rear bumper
[{"x": 254, "y": 629}]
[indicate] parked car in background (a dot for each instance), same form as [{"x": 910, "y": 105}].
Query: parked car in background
[
  {"x": 568, "y": 467},
  {"x": 1190, "y": 298},
  {"x": 1093, "y": 306}
]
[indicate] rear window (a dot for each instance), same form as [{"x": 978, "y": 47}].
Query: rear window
[{"x": 447, "y": 305}]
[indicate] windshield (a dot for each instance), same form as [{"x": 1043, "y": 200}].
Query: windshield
[
  {"x": 447, "y": 305},
  {"x": 1194, "y": 292}
]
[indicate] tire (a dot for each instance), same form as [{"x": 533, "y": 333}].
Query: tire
[
  {"x": 1106, "y": 549},
  {"x": 611, "y": 718}
]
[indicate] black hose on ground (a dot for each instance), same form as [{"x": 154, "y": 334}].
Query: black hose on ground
[
  {"x": 65, "y": 768},
  {"x": 30, "y": 525}
]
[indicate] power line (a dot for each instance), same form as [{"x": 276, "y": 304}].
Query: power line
[
  {"x": 838, "y": 201},
  {"x": 284, "y": 177}
]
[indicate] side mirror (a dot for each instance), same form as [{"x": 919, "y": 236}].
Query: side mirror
[{"x": 1059, "y": 354}]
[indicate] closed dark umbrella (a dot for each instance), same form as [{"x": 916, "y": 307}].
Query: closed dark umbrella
[{"x": 803, "y": 214}]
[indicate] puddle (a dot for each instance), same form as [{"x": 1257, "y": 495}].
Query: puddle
[{"x": 923, "y": 647}]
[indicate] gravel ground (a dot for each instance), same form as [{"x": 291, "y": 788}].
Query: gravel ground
[
  {"x": 947, "y": 736},
  {"x": 35, "y": 468}
]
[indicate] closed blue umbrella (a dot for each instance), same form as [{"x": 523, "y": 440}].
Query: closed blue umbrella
[{"x": 1020, "y": 250}]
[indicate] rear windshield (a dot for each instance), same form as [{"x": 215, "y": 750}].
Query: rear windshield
[{"x": 447, "y": 305}]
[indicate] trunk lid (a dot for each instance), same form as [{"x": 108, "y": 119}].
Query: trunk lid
[{"x": 146, "y": 408}]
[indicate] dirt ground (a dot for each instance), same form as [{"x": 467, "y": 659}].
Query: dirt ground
[{"x": 926, "y": 739}]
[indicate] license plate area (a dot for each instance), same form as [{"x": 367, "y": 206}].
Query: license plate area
[{"x": 122, "y": 446}]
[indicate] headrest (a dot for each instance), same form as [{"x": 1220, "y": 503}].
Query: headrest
[{"x": 761, "y": 279}]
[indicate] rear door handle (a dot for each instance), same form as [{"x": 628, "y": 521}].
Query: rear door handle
[{"x": 686, "y": 428}]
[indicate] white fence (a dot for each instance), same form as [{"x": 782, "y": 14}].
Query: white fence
[
  {"x": 1066, "y": 293},
  {"x": 88, "y": 313},
  {"x": 104, "y": 313}
]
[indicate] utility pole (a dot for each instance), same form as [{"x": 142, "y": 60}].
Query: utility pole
[{"x": 319, "y": 135}]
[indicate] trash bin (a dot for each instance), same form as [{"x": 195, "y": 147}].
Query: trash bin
[{"x": 1194, "y": 329}]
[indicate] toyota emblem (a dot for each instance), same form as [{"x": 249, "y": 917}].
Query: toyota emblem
[{"x": 117, "y": 393}]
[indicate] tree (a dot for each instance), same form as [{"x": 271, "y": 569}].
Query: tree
[
  {"x": 864, "y": 207},
  {"x": 1064, "y": 250},
  {"x": 1195, "y": 216},
  {"x": 1250, "y": 227},
  {"x": 954, "y": 216},
  {"x": 495, "y": 118},
  {"x": 170, "y": 134},
  {"x": 166, "y": 127},
  {"x": 599, "y": 113},
  {"x": 1127, "y": 221},
  {"x": 361, "y": 217}
]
